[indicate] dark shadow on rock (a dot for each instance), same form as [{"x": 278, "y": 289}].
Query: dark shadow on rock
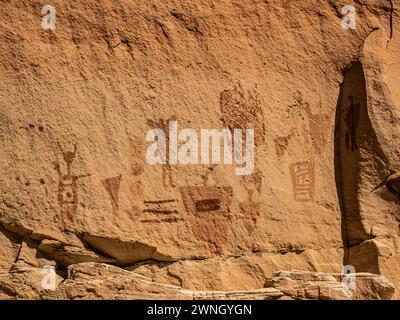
[{"x": 353, "y": 132}]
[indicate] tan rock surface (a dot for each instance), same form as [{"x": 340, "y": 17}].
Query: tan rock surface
[
  {"x": 102, "y": 281},
  {"x": 77, "y": 193}
]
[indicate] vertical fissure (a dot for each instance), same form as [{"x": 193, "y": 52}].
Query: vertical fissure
[{"x": 391, "y": 18}]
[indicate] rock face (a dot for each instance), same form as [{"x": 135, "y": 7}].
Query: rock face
[
  {"x": 78, "y": 198},
  {"x": 92, "y": 280}
]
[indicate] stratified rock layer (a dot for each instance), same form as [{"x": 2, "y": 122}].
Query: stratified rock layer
[{"x": 91, "y": 280}]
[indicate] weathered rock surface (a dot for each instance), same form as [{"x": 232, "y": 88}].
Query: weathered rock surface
[
  {"x": 92, "y": 280},
  {"x": 77, "y": 193},
  {"x": 320, "y": 286}
]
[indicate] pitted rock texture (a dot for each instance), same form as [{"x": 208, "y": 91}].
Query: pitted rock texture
[{"x": 76, "y": 192}]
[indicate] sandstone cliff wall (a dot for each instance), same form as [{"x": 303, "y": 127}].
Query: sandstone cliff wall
[{"x": 76, "y": 103}]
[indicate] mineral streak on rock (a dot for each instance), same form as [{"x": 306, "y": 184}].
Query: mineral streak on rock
[{"x": 79, "y": 202}]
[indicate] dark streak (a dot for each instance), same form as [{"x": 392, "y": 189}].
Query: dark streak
[
  {"x": 161, "y": 211},
  {"x": 162, "y": 220},
  {"x": 391, "y": 19},
  {"x": 159, "y": 201}
]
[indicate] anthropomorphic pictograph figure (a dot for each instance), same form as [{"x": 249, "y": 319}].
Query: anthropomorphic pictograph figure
[
  {"x": 319, "y": 124},
  {"x": 303, "y": 180},
  {"x": 112, "y": 187},
  {"x": 242, "y": 109},
  {"x": 351, "y": 117},
  {"x": 166, "y": 168},
  {"x": 68, "y": 190}
]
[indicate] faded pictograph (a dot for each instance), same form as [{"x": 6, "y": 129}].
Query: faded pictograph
[
  {"x": 250, "y": 208},
  {"x": 161, "y": 210},
  {"x": 112, "y": 187},
  {"x": 303, "y": 180},
  {"x": 207, "y": 176},
  {"x": 241, "y": 110},
  {"x": 351, "y": 117},
  {"x": 156, "y": 209},
  {"x": 319, "y": 128},
  {"x": 196, "y": 147},
  {"x": 208, "y": 209},
  {"x": 135, "y": 189},
  {"x": 68, "y": 190},
  {"x": 163, "y": 124},
  {"x": 319, "y": 123},
  {"x": 282, "y": 143}
]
